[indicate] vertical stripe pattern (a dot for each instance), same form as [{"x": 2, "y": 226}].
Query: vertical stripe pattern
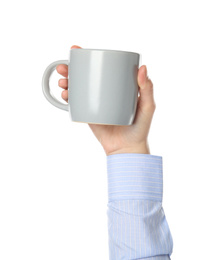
[{"x": 136, "y": 221}]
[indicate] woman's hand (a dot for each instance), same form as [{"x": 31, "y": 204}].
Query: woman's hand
[{"x": 123, "y": 139}]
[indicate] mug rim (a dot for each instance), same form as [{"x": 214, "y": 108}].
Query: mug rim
[{"x": 106, "y": 50}]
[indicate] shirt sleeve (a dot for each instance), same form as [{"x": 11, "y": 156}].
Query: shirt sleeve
[{"x": 137, "y": 226}]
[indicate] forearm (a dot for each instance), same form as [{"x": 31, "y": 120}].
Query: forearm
[{"x": 137, "y": 225}]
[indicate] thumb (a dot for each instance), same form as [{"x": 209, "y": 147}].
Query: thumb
[{"x": 146, "y": 104}]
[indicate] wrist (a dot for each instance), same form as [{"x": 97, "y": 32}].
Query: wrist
[{"x": 141, "y": 148}]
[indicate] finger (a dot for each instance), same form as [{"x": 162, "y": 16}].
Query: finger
[
  {"x": 146, "y": 90},
  {"x": 75, "y": 47},
  {"x": 63, "y": 83},
  {"x": 146, "y": 103},
  {"x": 64, "y": 95},
  {"x": 63, "y": 70}
]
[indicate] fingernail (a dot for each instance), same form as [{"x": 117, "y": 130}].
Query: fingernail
[{"x": 146, "y": 73}]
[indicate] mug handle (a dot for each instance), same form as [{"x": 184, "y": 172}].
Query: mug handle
[{"x": 46, "y": 88}]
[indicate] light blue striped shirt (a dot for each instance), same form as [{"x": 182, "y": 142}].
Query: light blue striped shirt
[{"x": 137, "y": 224}]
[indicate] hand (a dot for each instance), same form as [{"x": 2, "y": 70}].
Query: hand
[{"x": 123, "y": 139}]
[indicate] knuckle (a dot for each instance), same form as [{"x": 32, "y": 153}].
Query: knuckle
[
  {"x": 154, "y": 106},
  {"x": 150, "y": 107}
]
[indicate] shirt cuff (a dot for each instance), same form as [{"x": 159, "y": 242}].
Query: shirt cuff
[{"x": 134, "y": 176}]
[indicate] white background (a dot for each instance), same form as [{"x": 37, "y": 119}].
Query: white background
[{"x": 53, "y": 186}]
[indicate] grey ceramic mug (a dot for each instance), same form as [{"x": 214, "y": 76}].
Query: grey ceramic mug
[{"x": 102, "y": 86}]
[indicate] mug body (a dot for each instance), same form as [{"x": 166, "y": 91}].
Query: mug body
[{"x": 102, "y": 86}]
